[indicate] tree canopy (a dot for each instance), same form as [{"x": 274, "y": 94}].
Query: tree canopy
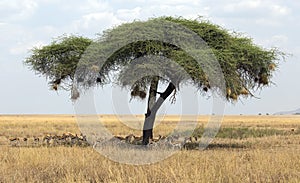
[
  {"x": 58, "y": 61},
  {"x": 245, "y": 65}
]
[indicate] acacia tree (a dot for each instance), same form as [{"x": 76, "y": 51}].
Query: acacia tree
[{"x": 245, "y": 66}]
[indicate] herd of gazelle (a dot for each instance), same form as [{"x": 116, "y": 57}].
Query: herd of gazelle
[
  {"x": 64, "y": 139},
  {"x": 71, "y": 139}
]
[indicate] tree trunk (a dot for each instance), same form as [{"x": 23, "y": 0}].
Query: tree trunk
[
  {"x": 147, "y": 130},
  {"x": 153, "y": 106}
]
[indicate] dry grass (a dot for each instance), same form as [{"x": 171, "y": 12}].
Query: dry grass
[{"x": 274, "y": 158}]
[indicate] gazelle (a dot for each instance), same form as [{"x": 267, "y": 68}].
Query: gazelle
[{"x": 14, "y": 141}]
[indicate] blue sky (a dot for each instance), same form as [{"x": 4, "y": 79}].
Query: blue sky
[{"x": 28, "y": 23}]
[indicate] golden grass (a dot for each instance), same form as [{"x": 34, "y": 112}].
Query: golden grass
[
  {"x": 63, "y": 164},
  {"x": 266, "y": 159}
]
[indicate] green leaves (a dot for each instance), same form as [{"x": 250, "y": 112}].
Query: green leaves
[
  {"x": 58, "y": 61},
  {"x": 245, "y": 66}
]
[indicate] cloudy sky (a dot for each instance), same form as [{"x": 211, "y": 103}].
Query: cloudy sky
[{"x": 28, "y": 23}]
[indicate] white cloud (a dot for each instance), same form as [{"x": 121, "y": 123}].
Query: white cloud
[
  {"x": 18, "y": 40},
  {"x": 14, "y": 10},
  {"x": 22, "y": 47},
  {"x": 176, "y": 2},
  {"x": 83, "y": 7},
  {"x": 278, "y": 41},
  {"x": 48, "y": 30},
  {"x": 296, "y": 51},
  {"x": 268, "y": 22},
  {"x": 242, "y": 5},
  {"x": 278, "y": 10},
  {"x": 92, "y": 6},
  {"x": 95, "y": 22},
  {"x": 129, "y": 14},
  {"x": 250, "y": 9},
  {"x": 281, "y": 39}
]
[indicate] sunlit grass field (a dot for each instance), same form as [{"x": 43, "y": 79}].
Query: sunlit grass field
[{"x": 246, "y": 149}]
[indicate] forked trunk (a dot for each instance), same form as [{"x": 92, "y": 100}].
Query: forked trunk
[{"x": 152, "y": 108}]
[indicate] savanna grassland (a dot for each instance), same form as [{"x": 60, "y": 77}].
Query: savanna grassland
[{"x": 246, "y": 149}]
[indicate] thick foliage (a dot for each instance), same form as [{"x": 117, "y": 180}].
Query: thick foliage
[
  {"x": 58, "y": 61},
  {"x": 245, "y": 65}
]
